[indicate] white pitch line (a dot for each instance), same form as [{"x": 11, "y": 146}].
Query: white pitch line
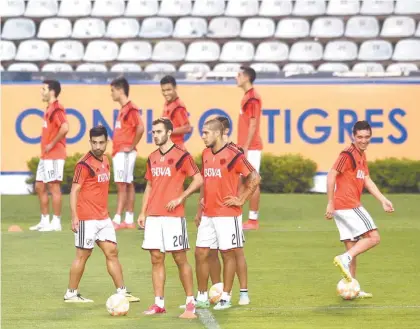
[
  {"x": 207, "y": 319},
  {"x": 313, "y": 308}
]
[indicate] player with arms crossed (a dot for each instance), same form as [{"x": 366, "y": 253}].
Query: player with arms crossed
[
  {"x": 90, "y": 218},
  {"x": 350, "y": 174},
  {"x": 220, "y": 220},
  {"x": 163, "y": 213},
  {"x": 249, "y": 138},
  {"x": 127, "y": 134},
  {"x": 53, "y": 154},
  {"x": 175, "y": 110}
]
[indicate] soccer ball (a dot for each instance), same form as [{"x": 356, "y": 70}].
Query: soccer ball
[
  {"x": 348, "y": 290},
  {"x": 117, "y": 305},
  {"x": 215, "y": 293}
]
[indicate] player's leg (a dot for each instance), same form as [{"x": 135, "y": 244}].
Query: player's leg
[
  {"x": 242, "y": 273},
  {"x": 215, "y": 266},
  {"x": 131, "y": 193},
  {"x": 120, "y": 168},
  {"x": 350, "y": 244},
  {"x": 41, "y": 191},
  {"x": 254, "y": 157}
]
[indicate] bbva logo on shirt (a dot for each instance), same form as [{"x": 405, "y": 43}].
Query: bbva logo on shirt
[
  {"x": 161, "y": 171},
  {"x": 360, "y": 174},
  {"x": 212, "y": 172},
  {"x": 102, "y": 178}
]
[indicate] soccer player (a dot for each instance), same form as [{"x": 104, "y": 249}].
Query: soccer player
[
  {"x": 163, "y": 214},
  {"x": 89, "y": 217},
  {"x": 127, "y": 134},
  {"x": 53, "y": 154},
  {"x": 249, "y": 138},
  {"x": 175, "y": 110},
  {"x": 220, "y": 222},
  {"x": 349, "y": 175}
]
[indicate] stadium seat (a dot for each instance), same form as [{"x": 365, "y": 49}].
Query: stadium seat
[
  {"x": 398, "y": 27},
  {"x": 362, "y": 27},
  {"x": 55, "y": 28},
  {"x": 237, "y": 51},
  {"x": 132, "y": 51},
  {"x": 1, "y": 68},
  {"x": 343, "y": 7},
  {"x": 156, "y": 28},
  {"x": 175, "y": 8},
  {"x": 122, "y": 28},
  {"x": 404, "y": 7},
  {"x": 75, "y": 8},
  {"x": 407, "y": 50},
  {"x": 402, "y": 67},
  {"x": 417, "y": 34},
  {"x": 243, "y": 8},
  {"x": 224, "y": 27},
  {"x": 375, "y": 50},
  {"x": 309, "y": 8},
  {"x": 368, "y": 68},
  {"x": 33, "y": 50},
  {"x": 89, "y": 67},
  {"x": 276, "y": 8},
  {"x": 57, "y": 67},
  {"x": 7, "y": 50},
  {"x": 88, "y": 28},
  {"x": 23, "y": 67},
  {"x": 168, "y": 51},
  {"x": 190, "y": 27},
  {"x": 227, "y": 67},
  {"x": 108, "y": 8},
  {"x": 67, "y": 51},
  {"x": 292, "y": 28},
  {"x": 18, "y": 29},
  {"x": 160, "y": 67},
  {"x": 306, "y": 51},
  {"x": 12, "y": 8},
  {"x": 258, "y": 28},
  {"x": 377, "y": 7},
  {"x": 194, "y": 68},
  {"x": 101, "y": 51},
  {"x": 208, "y": 8},
  {"x": 125, "y": 67},
  {"x": 299, "y": 68},
  {"x": 203, "y": 51},
  {"x": 327, "y": 27},
  {"x": 142, "y": 8},
  {"x": 333, "y": 67},
  {"x": 41, "y": 8},
  {"x": 272, "y": 51},
  {"x": 266, "y": 67},
  {"x": 340, "y": 50}
]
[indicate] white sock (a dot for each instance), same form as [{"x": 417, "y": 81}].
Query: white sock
[
  {"x": 253, "y": 215},
  {"x": 122, "y": 290},
  {"x": 117, "y": 219},
  {"x": 56, "y": 219},
  {"x": 347, "y": 256},
  {"x": 71, "y": 292},
  {"x": 202, "y": 296},
  {"x": 129, "y": 217},
  {"x": 160, "y": 301},
  {"x": 190, "y": 299},
  {"x": 45, "y": 219},
  {"x": 225, "y": 296}
]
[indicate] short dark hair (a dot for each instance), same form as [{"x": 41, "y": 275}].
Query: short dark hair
[
  {"x": 215, "y": 125},
  {"x": 224, "y": 121},
  {"x": 249, "y": 72},
  {"x": 168, "y": 79},
  {"x": 121, "y": 83},
  {"x": 361, "y": 125},
  {"x": 53, "y": 85},
  {"x": 98, "y": 131},
  {"x": 166, "y": 122}
]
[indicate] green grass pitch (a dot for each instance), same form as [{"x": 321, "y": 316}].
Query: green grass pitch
[{"x": 291, "y": 277}]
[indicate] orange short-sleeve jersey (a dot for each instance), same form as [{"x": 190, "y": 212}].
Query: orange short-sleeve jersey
[
  {"x": 177, "y": 113},
  {"x": 54, "y": 117}
]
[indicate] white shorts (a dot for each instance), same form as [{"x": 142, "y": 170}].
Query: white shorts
[
  {"x": 223, "y": 233},
  {"x": 123, "y": 165},
  {"x": 352, "y": 223},
  {"x": 165, "y": 234},
  {"x": 93, "y": 230},
  {"x": 50, "y": 170},
  {"x": 254, "y": 157}
]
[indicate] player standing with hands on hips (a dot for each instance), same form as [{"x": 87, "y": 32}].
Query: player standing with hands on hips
[{"x": 345, "y": 183}]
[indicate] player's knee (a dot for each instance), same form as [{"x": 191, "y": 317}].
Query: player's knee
[
  {"x": 201, "y": 254},
  {"x": 122, "y": 187},
  {"x": 40, "y": 188},
  {"x": 180, "y": 258},
  {"x": 375, "y": 238},
  {"x": 112, "y": 253},
  {"x": 157, "y": 258},
  {"x": 83, "y": 255}
]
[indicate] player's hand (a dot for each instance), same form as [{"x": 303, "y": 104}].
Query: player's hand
[
  {"x": 48, "y": 148},
  {"x": 75, "y": 224},
  {"x": 330, "y": 211},
  {"x": 174, "y": 203},
  {"x": 197, "y": 220},
  {"x": 233, "y": 201},
  {"x": 128, "y": 149},
  {"x": 141, "y": 220},
  {"x": 387, "y": 205}
]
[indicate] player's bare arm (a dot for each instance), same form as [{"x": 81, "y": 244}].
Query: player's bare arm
[
  {"x": 142, "y": 216},
  {"x": 331, "y": 178},
  {"x": 251, "y": 133},
  {"x": 196, "y": 183},
  {"x": 185, "y": 129},
  {"x": 251, "y": 183},
  {"x": 64, "y": 129},
  {"x": 74, "y": 194},
  {"x": 374, "y": 190},
  {"x": 137, "y": 138},
  {"x": 197, "y": 219}
]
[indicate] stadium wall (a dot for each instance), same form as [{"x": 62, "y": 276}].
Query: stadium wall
[{"x": 311, "y": 117}]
